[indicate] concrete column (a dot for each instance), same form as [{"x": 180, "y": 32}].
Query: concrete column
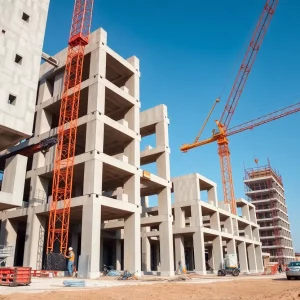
[
  {"x": 166, "y": 233},
  {"x": 231, "y": 248},
  {"x": 133, "y": 83},
  {"x": 215, "y": 222},
  {"x": 198, "y": 238},
  {"x": 94, "y": 135},
  {"x": 157, "y": 257},
  {"x": 132, "y": 151},
  {"x": 248, "y": 232},
  {"x": 217, "y": 253},
  {"x": 118, "y": 255},
  {"x": 8, "y": 237},
  {"x": 45, "y": 91},
  {"x": 43, "y": 122},
  {"x": 132, "y": 117},
  {"x": 259, "y": 260},
  {"x": 101, "y": 253},
  {"x": 33, "y": 241},
  {"x": 162, "y": 139},
  {"x": 11, "y": 183},
  {"x": 191, "y": 258},
  {"x": 132, "y": 228},
  {"x": 246, "y": 212},
  {"x": 243, "y": 257},
  {"x": 252, "y": 215},
  {"x": 96, "y": 99},
  {"x": 92, "y": 182},
  {"x": 74, "y": 245},
  {"x": 39, "y": 190},
  {"x": 98, "y": 57},
  {"x": 146, "y": 246},
  {"x": 90, "y": 237},
  {"x": 146, "y": 254},
  {"x": 210, "y": 258},
  {"x": 199, "y": 252},
  {"x": 252, "y": 258},
  {"x": 132, "y": 244},
  {"x": 212, "y": 195},
  {"x": 179, "y": 217},
  {"x": 179, "y": 250},
  {"x": 228, "y": 225},
  {"x": 235, "y": 227},
  {"x": 255, "y": 234}
]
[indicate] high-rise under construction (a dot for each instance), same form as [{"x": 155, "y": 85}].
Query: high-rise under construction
[{"x": 264, "y": 189}]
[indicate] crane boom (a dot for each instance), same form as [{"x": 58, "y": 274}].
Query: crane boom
[
  {"x": 249, "y": 58},
  {"x": 58, "y": 228},
  {"x": 265, "y": 119},
  {"x": 289, "y": 110}
]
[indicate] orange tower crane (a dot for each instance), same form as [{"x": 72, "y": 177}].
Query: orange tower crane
[
  {"x": 58, "y": 228},
  {"x": 237, "y": 89}
]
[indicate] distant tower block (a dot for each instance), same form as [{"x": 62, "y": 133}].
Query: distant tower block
[{"x": 264, "y": 188}]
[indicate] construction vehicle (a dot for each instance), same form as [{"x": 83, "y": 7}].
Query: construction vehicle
[
  {"x": 223, "y": 124},
  {"x": 229, "y": 271},
  {"x": 230, "y": 266}
]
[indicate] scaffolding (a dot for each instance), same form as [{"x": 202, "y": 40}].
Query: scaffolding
[{"x": 264, "y": 188}]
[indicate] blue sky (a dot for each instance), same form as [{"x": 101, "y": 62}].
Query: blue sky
[{"x": 190, "y": 52}]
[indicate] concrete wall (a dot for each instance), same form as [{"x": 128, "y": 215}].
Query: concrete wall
[{"x": 22, "y": 29}]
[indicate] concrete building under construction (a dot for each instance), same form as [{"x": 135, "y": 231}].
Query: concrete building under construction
[
  {"x": 264, "y": 187},
  {"x": 111, "y": 222}
]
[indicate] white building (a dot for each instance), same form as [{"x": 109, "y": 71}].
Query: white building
[{"x": 22, "y": 30}]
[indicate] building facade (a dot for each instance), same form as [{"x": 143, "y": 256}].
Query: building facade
[
  {"x": 264, "y": 188},
  {"x": 205, "y": 231},
  {"x": 108, "y": 178},
  {"x": 22, "y": 30},
  {"x": 110, "y": 220}
]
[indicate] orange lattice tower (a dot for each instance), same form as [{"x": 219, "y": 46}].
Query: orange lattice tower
[{"x": 58, "y": 229}]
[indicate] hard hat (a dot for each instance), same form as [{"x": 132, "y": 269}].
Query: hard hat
[{"x": 70, "y": 249}]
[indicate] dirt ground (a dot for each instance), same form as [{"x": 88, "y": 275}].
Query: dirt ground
[{"x": 274, "y": 289}]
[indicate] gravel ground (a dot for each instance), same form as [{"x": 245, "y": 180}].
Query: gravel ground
[{"x": 242, "y": 288}]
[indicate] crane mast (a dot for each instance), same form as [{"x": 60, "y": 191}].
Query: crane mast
[
  {"x": 231, "y": 104},
  {"x": 237, "y": 89},
  {"x": 58, "y": 228}
]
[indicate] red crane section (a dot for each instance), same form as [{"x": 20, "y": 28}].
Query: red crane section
[
  {"x": 58, "y": 228},
  {"x": 249, "y": 58}
]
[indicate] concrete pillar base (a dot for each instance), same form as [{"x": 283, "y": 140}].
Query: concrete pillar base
[
  {"x": 93, "y": 275},
  {"x": 167, "y": 273},
  {"x": 201, "y": 272}
]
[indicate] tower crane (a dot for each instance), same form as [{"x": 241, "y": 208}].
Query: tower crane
[
  {"x": 58, "y": 228},
  {"x": 235, "y": 94}
]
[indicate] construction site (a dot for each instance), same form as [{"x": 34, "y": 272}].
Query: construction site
[{"x": 74, "y": 173}]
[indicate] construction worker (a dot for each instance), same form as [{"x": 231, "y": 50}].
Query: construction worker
[{"x": 71, "y": 259}]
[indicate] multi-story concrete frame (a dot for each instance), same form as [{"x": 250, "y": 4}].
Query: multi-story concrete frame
[
  {"x": 108, "y": 180},
  {"x": 264, "y": 188},
  {"x": 22, "y": 30},
  {"x": 205, "y": 230}
]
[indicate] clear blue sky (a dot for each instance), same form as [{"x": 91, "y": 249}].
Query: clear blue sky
[{"x": 189, "y": 54}]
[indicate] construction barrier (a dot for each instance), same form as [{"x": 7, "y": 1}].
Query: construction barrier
[
  {"x": 44, "y": 273},
  {"x": 271, "y": 269},
  {"x": 15, "y": 276}
]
